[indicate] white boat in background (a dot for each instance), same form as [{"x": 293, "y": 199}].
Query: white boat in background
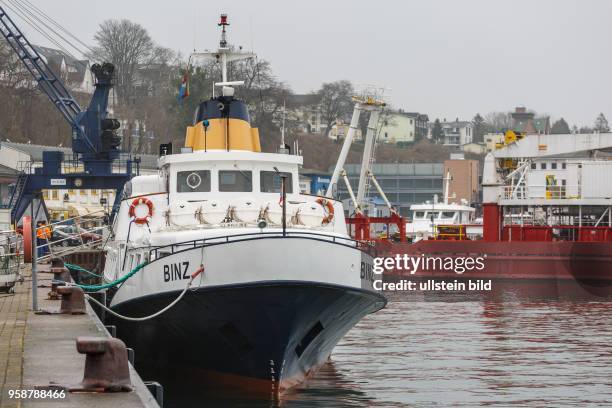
[{"x": 427, "y": 219}]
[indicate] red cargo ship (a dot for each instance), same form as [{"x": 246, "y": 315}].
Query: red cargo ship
[{"x": 546, "y": 215}]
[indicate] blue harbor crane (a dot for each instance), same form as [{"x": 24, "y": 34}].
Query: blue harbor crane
[{"x": 97, "y": 162}]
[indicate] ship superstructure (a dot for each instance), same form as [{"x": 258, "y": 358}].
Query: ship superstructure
[
  {"x": 549, "y": 187},
  {"x": 433, "y": 219}
]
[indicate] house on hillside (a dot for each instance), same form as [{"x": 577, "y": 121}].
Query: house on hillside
[
  {"x": 340, "y": 129},
  {"x": 305, "y": 110},
  {"x": 456, "y": 133},
  {"x": 153, "y": 80},
  {"x": 76, "y": 74},
  {"x": 403, "y": 127}
]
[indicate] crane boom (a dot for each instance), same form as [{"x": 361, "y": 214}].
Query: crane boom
[
  {"x": 38, "y": 68},
  {"x": 94, "y": 138}
]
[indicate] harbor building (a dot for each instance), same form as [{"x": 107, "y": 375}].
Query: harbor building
[
  {"x": 464, "y": 180},
  {"x": 314, "y": 181},
  {"x": 404, "y": 184}
]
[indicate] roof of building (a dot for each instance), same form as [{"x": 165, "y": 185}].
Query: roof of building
[
  {"x": 422, "y": 116},
  {"x": 541, "y": 125},
  {"x": 76, "y": 69},
  {"x": 7, "y": 171},
  {"x": 35, "y": 151},
  {"x": 456, "y": 123}
]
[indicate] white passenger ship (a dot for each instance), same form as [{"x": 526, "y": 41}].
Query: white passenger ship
[{"x": 274, "y": 297}]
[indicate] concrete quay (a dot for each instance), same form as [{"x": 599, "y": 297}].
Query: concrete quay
[{"x": 39, "y": 349}]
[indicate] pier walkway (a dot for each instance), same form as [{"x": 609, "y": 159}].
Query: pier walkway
[{"x": 38, "y": 349}]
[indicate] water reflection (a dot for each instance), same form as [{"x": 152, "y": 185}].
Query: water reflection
[{"x": 531, "y": 346}]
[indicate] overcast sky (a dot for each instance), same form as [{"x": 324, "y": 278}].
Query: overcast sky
[{"x": 446, "y": 58}]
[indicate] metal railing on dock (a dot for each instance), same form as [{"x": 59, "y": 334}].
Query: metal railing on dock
[
  {"x": 72, "y": 235},
  {"x": 11, "y": 257}
]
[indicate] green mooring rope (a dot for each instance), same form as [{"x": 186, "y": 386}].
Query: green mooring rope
[
  {"x": 95, "y": 288},
  {"x": 81, "y": 269}
]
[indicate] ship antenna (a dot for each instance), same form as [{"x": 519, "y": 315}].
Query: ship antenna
[
  {"x": 224, "y": 54},
  {"x": 223, "y": 46},
  {"x": 447, "y": 179},
  {"x": 283, "y": 148}
]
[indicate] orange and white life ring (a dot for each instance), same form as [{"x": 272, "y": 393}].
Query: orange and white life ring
[
  {"x": 328, "y": 206},
  {"x": 139, "y": 201}
]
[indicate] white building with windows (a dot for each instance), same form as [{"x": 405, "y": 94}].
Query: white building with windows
[
  {"x": 402, "y": 127},
  {"x": 340, "y": 129},
  {"x": 305, "y": 110},
  {"x": 491, "y": 141},
  {"x": 456, "y": 133}
]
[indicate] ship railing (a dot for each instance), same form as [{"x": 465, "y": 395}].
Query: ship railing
[
  {"x": 549, "y": 192},
  {"x": 165, "y": 250},
  {"x": 569, "y": 233},
  {"x": 124, "y": 163}
]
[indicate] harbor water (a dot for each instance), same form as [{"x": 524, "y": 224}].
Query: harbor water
[{"x": 517, "y": 346}]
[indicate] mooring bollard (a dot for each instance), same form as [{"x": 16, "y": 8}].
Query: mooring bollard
[
  {"x": 73, "y": 300},
  {"x": 106, "y": 365},
  {"x": 60, "y": 274}
]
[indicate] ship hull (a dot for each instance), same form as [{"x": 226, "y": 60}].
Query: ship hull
[
  {"x": 261, "y": 336},
  {"x": 265, "y": 312},
  {"x": 584, "y": 263}
]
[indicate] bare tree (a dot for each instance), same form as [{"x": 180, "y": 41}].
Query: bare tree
[
  {"x": 262, "y": 91},
  {"x": 437, "y": 135},
  {"x": 128, "y": 46},
  {"x": 560, "y": 127},
  {"x": 480, "y": 128},
  {"x": 12, "y": 72},
  {"x": 336, "y": 102},
  {"x": 26, "y": 114},
  {"x": 499, "y": 121}
]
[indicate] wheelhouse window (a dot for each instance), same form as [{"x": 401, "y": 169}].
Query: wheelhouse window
[
  {"x": 193, "y": 181},
  {"x": 448, "y": 214},
  {"x": 419, "y": 215},
  {"x": 235, "y": 180},
  {"x": 270, "y": 182}
]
